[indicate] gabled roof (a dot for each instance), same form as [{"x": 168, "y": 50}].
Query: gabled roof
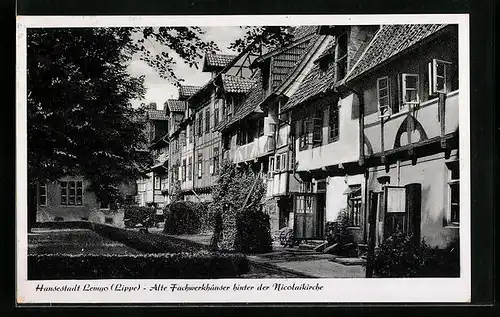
[
  {"x": 216, "y": 61},
  {"x": 389, "y": 41},
  {"x": 176, "y": 105},
  {"x": 236, "y": 84},
  {"x": 249, "y": 105},
  {"x": 186, "y": 91},
  {"x": 316, "y": 82},
  {"x": 156, "y": 115},
  {"x": 294, "y": 43}
]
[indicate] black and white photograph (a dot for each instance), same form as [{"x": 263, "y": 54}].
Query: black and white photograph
[{"x": 196, "y": 160}]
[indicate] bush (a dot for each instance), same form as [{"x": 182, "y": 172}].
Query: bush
[
  {"x": 63, "y": 225},
  {"x": 147, "y": 242},
  {"x": 240, "y": 229},
  {"x": 400, "y": 256},
  {"x": 186, "y": 217},
  {"x": 199, "y": 265},
  {"x": 135, "y": 215},
  {"x": 253, "y": 232},
  {"x": 336, "y": 231}
]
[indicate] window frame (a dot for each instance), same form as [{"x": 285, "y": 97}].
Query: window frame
[
  {"x": 452, "y": 166},
  {"x": 44, "y": 186},
  {"x": 216, "y": 111},
  {"x": 404, "y": 89},
  {"x": 67, "y": 193},
  {"x": 184, "y": 170},
  {"x": 333, "y": 126},
  {"x": 190, "y": 168},
  {"x": 433, "y": 76},
  {"x": 355, "y": 206},
  {"x": 215, "y": 162},
  {"x": 200, "y": 165},
  {"x": 388, "y": 96},
  {"x": 207, "y": 120}
]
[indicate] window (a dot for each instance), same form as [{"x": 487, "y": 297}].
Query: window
[
  {"x": 157, "y": 183},
  {"x": 305, "y": 127},
  {"x": 42, "y": 195},
  {"x": 241, "y": 137},
  {"x": 183, "y": 138},
  {"x": 317, "y": 137},
  {"x": 72, "y": 193},
  {"x": 304, "y": 204},
  {"x": 453, "y": 193},
  {"x": 164, "y": 182},
  {"x": 354, "y": 205},
  {"x": 184, "y": 170},
  {"x": 229, "y": 107},
  {"x": 190, "y": 133},
  {"x": 200, "y": 123},
  {"x": 333, "y": 123},
  {"x": 216, "y": 160},
  {"x": 260, "y": 127},
  {"x": 383, "y": 96},
  {"x": 278, "y": 163},
  {"x": 141, "y": 187},
  {"x": 216, "y": 112},
  {"x": 207, "y": 120},
  {"x": 270, "y": 168},
  {"x": 190, "y": 168},
  {"x": 200, "y": 164},
  {"x": 438, "y": 76},
  {"x": 410, "y": 90}
]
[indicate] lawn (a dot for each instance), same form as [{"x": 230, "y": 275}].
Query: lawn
[{"x": 74, "y": 241}]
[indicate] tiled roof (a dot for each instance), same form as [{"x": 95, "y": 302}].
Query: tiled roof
[
  {"x": 303, "y": 30},
  {"x": 285, "y": 62},
  {"x": 237, "y": 84},
  {"x": 250, "y": 104},
  {"x": 186, "y": 91},
  {"x": 217, "y": 60},
  {"x": 315, "y": 83},
  {"x": 157, "y": 115},
  {"x": 176, "y": 105},
  {"x": 390, "y": 41}
]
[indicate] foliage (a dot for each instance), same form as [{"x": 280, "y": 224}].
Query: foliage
[
  {"x": 80, "y": 118},
  {"x": 135, "y": 215},
  {"x": 400, "y": 256},
  {"x": 336, "y": 231},
  {"x": 199, "y": 265},
  {"x": 147, "y": 242},
  {"x": 187, "y": 217},
  {"x": 269, "y": 37},
  {"x": 236, "y": 223}
]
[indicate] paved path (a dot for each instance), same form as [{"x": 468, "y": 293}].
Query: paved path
[
  {"x": 73, "y": 241},
  {"x": 295, "y": 265}
]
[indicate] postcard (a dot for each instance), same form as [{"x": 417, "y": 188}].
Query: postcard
[{"x": 243, "y": 159}]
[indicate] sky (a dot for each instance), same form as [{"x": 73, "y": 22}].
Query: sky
[{"x": 159, "y": 90}]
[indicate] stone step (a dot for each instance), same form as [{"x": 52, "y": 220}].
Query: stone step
[
  {"x": 299, "y": 251},
  {"x": 349, "y": 261}
]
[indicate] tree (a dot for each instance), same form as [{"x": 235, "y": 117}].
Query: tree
[
  {"x": 265, "y": 37},
  {"x": 80, "y": 117}
]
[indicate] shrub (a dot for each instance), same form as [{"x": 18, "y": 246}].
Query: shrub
[
  {"x": 183, "y": 217},
  {"x": 63, "y": 225},
  {"x": 199, "y": 265},
  {"x": 336, "y": 231},
  {"x": 240, "y": 228},
  {"x": 254, "y": 232},
  {"x": 400, "y": 256},
  {"x": 147, "y": 242},
  {"x": 135, "y": 215}
]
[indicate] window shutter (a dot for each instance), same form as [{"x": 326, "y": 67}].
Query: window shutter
[{"x": 413, "y": 209}]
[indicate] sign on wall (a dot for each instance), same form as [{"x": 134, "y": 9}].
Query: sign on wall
[{"x": 396, "y": 199}]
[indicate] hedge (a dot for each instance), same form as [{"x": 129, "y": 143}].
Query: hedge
[
  {"x": 187, "y": 217},
  {"x": 197, "y": 265},
  {"x": 63, "y": 225},
  {"x": 134, "y": 215},
  {"x": 147, "y": 242}
]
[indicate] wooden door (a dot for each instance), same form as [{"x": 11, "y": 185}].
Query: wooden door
[
  {"x": 403, "y": 210},
  {"x": 305, "y": 216}
]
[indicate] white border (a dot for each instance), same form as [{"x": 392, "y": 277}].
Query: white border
[{"x": 334, "y": 290}]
